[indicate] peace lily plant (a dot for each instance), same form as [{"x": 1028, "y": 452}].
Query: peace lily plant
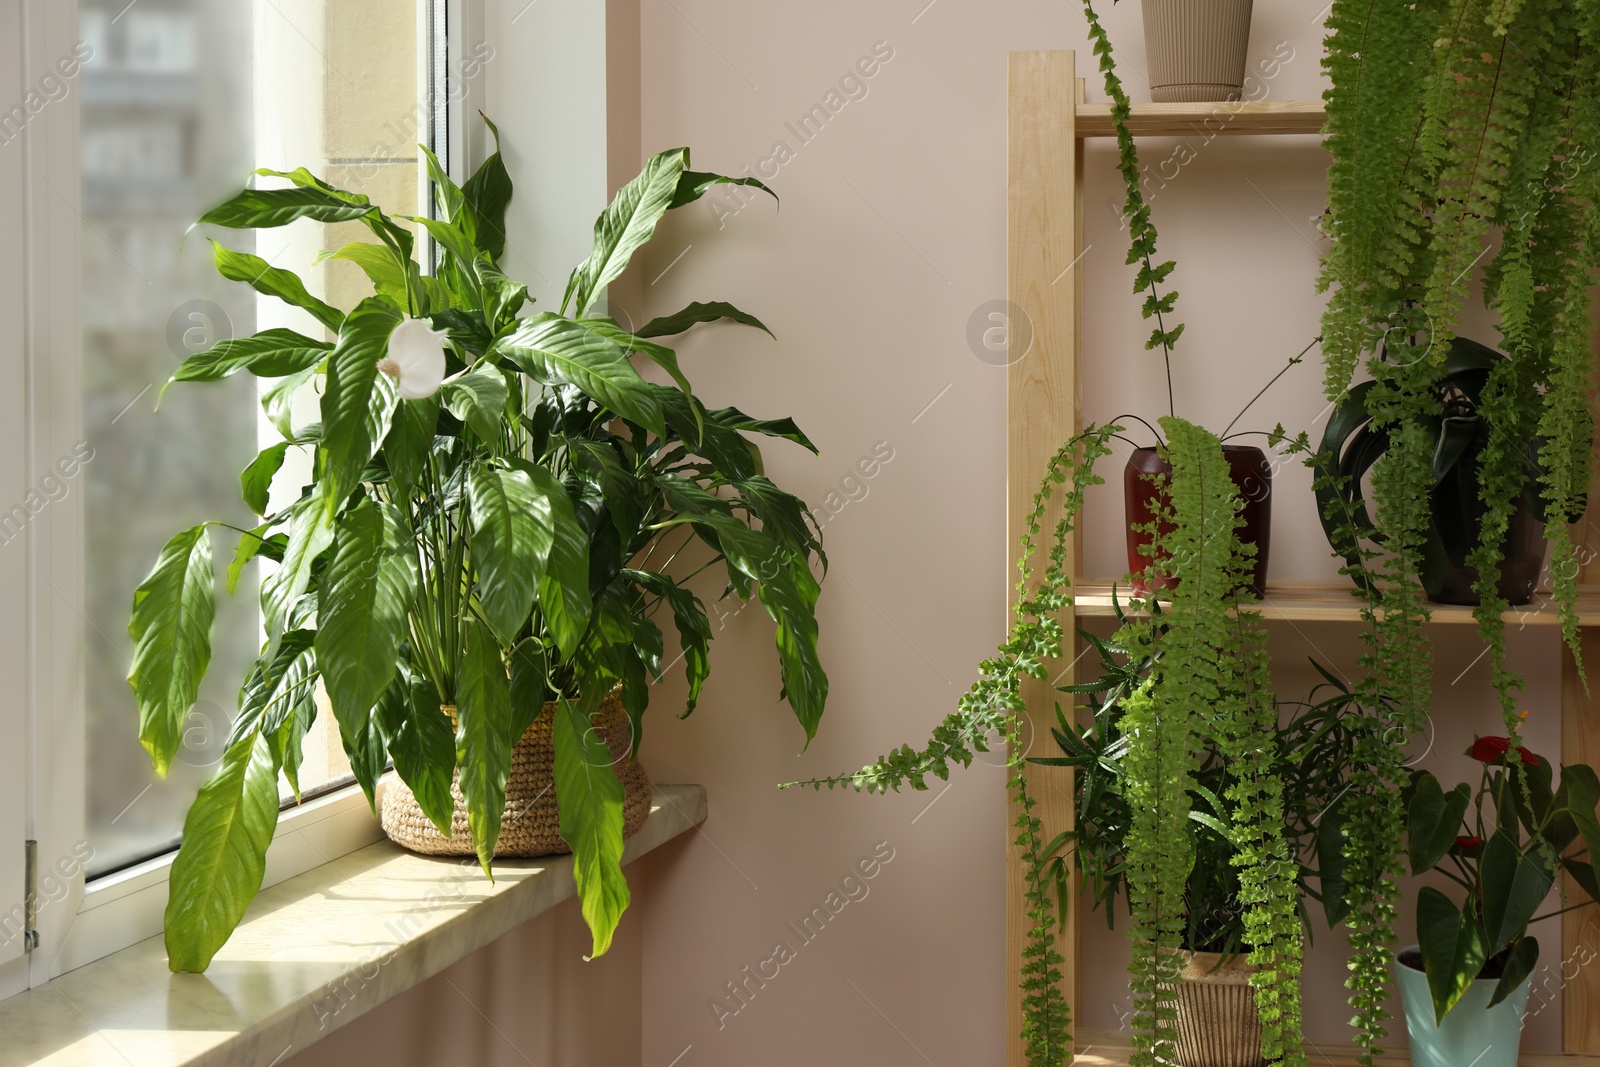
[{"x": 494, "y": 503}]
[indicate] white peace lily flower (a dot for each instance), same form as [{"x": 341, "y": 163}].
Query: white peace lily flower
[{"x": 415, "y": 359}]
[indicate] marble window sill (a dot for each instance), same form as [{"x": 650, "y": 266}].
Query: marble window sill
[{"x": 313, "y": 953}]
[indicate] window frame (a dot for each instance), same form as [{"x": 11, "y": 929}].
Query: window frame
[
  {"x": 80, "y": 921},
  {"x": 572, "y": 127}
]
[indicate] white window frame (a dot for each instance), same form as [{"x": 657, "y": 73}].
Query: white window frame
[{"x": 554, "y": 107}]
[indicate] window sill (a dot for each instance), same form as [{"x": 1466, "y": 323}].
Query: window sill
[{"x": 313, "y": 953}]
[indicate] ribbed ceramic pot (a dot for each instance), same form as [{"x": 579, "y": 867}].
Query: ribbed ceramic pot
[
  {"x": 1472, "y": 1033},
  {"x": 1196, "y": 48},
  {"x": 1217, "y": 1021}
]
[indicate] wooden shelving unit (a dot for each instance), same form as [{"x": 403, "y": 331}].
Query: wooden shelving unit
[
  {"x": 1109, "y": 1048},
  {"x": 1335, "y": 602},
  {"x": 1047, "y": 124}
]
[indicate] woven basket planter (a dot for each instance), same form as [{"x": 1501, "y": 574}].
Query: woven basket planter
[
  {"x": 531, "y": 825},
  {"x": 1217, "y": 1021},
  {"x": 1196, "y": 48}
]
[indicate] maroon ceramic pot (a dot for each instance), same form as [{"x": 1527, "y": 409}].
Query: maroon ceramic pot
[{"x": 1251, "y": 473}]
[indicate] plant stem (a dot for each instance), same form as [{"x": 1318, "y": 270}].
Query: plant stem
[{"x": 1295, "y": 361}]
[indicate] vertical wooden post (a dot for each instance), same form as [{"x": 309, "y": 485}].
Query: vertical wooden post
[
  {"x": 1580, "y": 743},
  {"x": 1042, "y": 402}
]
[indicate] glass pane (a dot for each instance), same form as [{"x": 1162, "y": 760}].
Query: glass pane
[{"x": 181, "y": 100}]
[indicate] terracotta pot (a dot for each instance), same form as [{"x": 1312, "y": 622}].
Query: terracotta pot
[
  {"x": 1522, "y": 558},
  {"x": 1217, "y": 1021},
  {"x": 1251, "y": 473},
  {"x": 1196, "y": 48}
]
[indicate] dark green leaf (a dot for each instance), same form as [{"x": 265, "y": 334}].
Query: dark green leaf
[
  {"x": 310, "y": 532},
  {"x": 487, "y": 195},
  {"x": 530, "y": 688},
  {"x": 626, "y": 224},
  {"x": 715, "y": 310},
  {"x": 478, "y": 398},
  {"x": 556, "y": 351},
  {"x": 512, "y": 536},
  {"x": 417, "y": 733},
  {"x": 692, "y": 184},
  {"x": 359, "y": 400},
  {"x": 255, "y": 481},
  {"x": 1435, "y": 820},
  {"x": 266, "y": 208},
  {"x": 264, "y": 278},
  {"x": 1524, "y": 957},
  {"x": 1452, "y": 949},
  {"x": 268, "y": 354},
  {"x": 483, "y": 741},
  {"x": 410, "y": 440},
  {"x": 785, "y": 428},
  {"x": 1514, "y": 885}
]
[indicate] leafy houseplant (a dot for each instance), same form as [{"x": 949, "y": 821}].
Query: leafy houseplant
[
  {"x": 1472, "y": 957},
  {"x": 1448, "y": 120},
  {"x": 1309, "y": 751},
  {"x": 1458, "y": 435},
  {"x": 493, "y": 506}
]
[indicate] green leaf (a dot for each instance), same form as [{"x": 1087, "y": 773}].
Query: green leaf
[
  {"x": 268, "y": 354},
  {"x": 1331, "y": 861},
  {"x": 661, "y": 355},
  {"x": 1435, "y": 821},
  {"x": 278, "y": 401},
  {"x": 698, "y": 312},
  {"x": 1452, "y": 949},
  {"x": 627, "y": 223},
  {"x": 556, "y": 351},
  {"x": 310, "y": 532},
  {"x": 478, "y": 398},
  {"x": 511, "y": 542},
  {"x": 389, "y": 278},
  {"x": 359, "y": 400},
  {"x": 1583, "y": 795},
  {"x": 410, "y": 441},
  {"x": 564, "y": 595},
  {"x": 417, "y": 733},
  {"x": 276, "y": 687},
  {"x": 486, "y": 196},
  {"x": 483, "y": 737},
  {"x": 288, "y": 743},
  {"x": 784, "y": 428},
  {"x": 267, "y": 208},
  {"x": 171, "y": 630},
  {"x": 692, "y": 184},
  {"x": 219, "y": 868},
  {"x": 591, "y": 822},
  {"x": 255, "y": 481},
  {"x": 264, "y": 278},
  {"x": 1521, "y": 961},
  {"x": 530, "y": 687},
  {"x": 1514, "y": 885},
  {"x": 694, "y": 629},
  {"x": 366, "y": 591},
  {"x": 503, "y": 296},
  {"x": 255, "y": 543}
]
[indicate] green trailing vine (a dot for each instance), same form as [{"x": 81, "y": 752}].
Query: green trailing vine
[{"x": 1448, "y": 119}]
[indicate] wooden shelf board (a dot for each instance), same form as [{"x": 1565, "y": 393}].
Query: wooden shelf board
[
  {"x": 1333, "y": 602},
  {"x": 1109, "y": 1048},
  {"x": 1231, "y": 117}
]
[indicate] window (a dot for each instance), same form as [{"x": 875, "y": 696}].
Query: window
[{"x": 181, "y": 100}]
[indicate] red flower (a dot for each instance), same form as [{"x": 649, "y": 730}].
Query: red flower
[
  {"x": 1490, "y": 749},
  {"x": 1468, "y": 842}
]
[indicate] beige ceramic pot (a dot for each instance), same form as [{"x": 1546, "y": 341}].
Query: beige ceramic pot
[
  {"x": 1217, "y": 1021},
  {"x": 1196, "y": 48}
]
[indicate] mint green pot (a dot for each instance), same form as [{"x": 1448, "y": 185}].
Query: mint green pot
[{"x": 1473, "y": 1034}]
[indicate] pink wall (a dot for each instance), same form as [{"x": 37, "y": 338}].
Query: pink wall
[{"x": 890, "y": 236}]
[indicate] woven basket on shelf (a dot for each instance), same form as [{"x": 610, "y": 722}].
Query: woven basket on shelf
[{"x": 532, "y": 822}]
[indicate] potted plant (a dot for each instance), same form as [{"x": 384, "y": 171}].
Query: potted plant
[
  {"x": 1196, "y": 48},
  {"x": 1218, "y": 1021},
  {"x": 474, "y": 570},
  {"x": 1457, "y": 435},
  {"x": 1465, "y": 983}
]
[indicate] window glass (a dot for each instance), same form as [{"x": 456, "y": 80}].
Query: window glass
[{"x": 181, "y": 100}]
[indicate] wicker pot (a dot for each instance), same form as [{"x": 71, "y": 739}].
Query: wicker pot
[
  {"x": 531, "y": 825},
  {"x": 1217, "y": 1021},
  {"x": 1196, "y": 48}
]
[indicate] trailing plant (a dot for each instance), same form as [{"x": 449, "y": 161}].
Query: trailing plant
[
  {"x": 1495, "y": 857},
  {"x": 494, "y": 503},
  {"x": 1309, "y": 750}
]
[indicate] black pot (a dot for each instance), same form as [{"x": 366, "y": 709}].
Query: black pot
[{"x": 1521, "y": 560}]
